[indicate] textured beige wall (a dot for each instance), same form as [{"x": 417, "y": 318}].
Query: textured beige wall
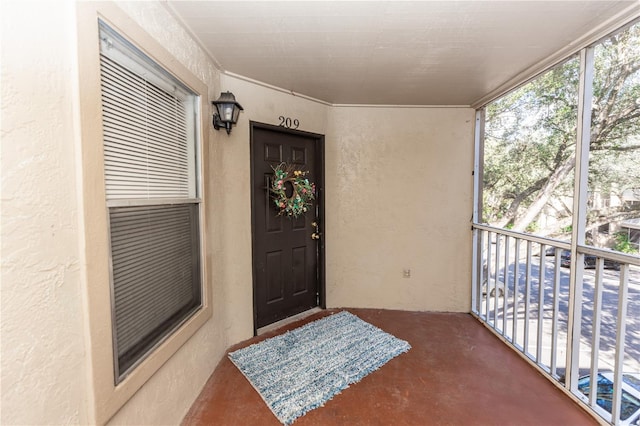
[
  {"x": 166, "y": 397},
  {"x": 46, "y": 372},
  {"x": 264, "y": 105},
  {"x": 233, "y": 196},
  {"x": 43, "y": 367},
  {"x": 399, "y": 195}
]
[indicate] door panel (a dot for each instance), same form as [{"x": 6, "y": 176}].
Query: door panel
[{"x": 286, "y": 260}]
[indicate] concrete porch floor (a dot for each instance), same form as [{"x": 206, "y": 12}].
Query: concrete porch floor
[{"x": 457, "y": 373}]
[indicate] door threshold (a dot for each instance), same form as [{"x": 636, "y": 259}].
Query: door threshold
[{"x": 283, "y": 322}]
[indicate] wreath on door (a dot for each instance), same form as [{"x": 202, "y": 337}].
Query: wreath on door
[{"x": 289, "y": 180}]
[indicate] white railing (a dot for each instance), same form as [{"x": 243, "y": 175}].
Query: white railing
[{"x": 571, "y": 319}]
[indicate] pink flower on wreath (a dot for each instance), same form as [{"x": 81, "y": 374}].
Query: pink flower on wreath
[
  {"x": 304, "y": 190},
  {"x": 282, "y": 205}
]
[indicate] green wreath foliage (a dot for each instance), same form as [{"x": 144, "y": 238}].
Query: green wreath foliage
[{"x": 304, "y": 192}]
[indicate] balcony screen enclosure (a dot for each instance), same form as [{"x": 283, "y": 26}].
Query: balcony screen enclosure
[{"x": 556, "y": 266}]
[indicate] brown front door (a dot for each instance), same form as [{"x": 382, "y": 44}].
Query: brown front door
[{"x": 287, "y": 262}]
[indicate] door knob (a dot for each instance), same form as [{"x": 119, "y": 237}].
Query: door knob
[{"x": 316, "y": 234}]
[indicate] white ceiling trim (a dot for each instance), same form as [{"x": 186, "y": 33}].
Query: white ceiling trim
[
  {"x": 320, "y": 101},
  {"x": 276, "y": 88},
  {"x": 627, "y": 17},
  {"x": 397, "y": 106}
]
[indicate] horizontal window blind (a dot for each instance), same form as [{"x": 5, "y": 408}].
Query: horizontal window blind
[
  {"x": 155, "y": 265},
  {"x": 145, "y": 138},
  {"x": 150, "y": 149}
]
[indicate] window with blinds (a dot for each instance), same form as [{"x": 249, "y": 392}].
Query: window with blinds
[{"x": 150, "y": 157}]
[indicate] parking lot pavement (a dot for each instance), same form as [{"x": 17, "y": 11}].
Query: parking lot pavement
[{"x": 608, "y": 317}]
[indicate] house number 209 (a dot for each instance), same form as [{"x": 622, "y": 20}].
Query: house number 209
[{"x": 288, "y": 123}]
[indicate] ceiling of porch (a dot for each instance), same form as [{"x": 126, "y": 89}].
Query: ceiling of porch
[{"x": 391, "y": 52}]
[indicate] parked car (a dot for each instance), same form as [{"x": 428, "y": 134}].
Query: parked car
[
  {"x": 589, "y": 261},
  {"x": 630, "y": 407}
]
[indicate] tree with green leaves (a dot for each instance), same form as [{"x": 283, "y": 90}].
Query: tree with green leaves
[{"x": 530, "y": 137}]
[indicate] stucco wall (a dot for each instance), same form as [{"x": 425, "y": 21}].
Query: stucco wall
[
  {"x": 398, "y": 186},
  {"x": 46, "y": 375},
  {"x": 399, "y": 196},
  {"x": 43, "y": 366},
  {"x": 166, "y": 397},
  {"x": 232, "y": 189},
  {"x": 175, "y": 386}
]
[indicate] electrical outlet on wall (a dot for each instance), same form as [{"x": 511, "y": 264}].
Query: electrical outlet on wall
[{"x": 406, "y": 273}]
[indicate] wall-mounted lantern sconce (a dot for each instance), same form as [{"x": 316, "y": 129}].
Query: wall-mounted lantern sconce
[{"x": 227, "y": 111}]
